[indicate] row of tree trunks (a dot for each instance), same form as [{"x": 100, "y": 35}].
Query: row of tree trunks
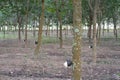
[
  {"x": 97, "y": 18},
  {"x": 58, "y": 13}
]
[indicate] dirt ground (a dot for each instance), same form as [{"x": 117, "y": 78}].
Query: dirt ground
[{"x": 19, "y": 63}]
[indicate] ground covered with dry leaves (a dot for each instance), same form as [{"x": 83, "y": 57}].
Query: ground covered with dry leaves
[{"x": 19, "y": 63}]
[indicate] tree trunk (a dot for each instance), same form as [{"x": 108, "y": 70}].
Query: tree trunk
[
  {"x": 60, "y": 34},
  {"x": 108, "y": 28},
  {"x": 56, "y": 2},
  {"x": 48, "y": 23},
  {"x": 77, "y": 32},
  {"x": 89, "y": 32},
  {"x": 90, "y": 26},
  {"x": 19, "y": 27},
  {"x": 19, "y": 33},
  {"x": 4, "y": 31},
  {"x": 58, "y": 13},
  {"x": 0, "y": 28},
  {"x": 26, "y": 30},
  {"x": 34, "y": 27},
  {"x": 57, "y": 29},
  {"x": 41, "y": 23},
  {"x": 94, "y": 31},
  {"x": 99, "y": 32},
  {"x": 22, "y": 29},
  {"x": 115, "y": 29},
  {"x": 103, "y": 28},
  {"x": 34, "y": 30},
  {"x": 61, "y": 38},
  {"x": 26, "y": 23},
  {"x": 67, "y": 30}
]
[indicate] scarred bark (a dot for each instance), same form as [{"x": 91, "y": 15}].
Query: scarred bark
[{"x": 77, "y": 30}]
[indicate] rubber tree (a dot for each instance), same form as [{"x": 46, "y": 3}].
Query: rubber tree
[
  {"x": 60, "y": 22},
  {"x": 55, "y": 3},
  {"x": 27, "y": 12},
  {"x": 77, "y": 32},
  {"x": 90, "y": 19},
  {"x": 94, "y": 30},
  {"x": 41, "y": 23}
]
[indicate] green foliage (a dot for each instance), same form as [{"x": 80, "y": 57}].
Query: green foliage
[
  {"x": 10, "y": 9},
  {"x": 108, "y": 9}
]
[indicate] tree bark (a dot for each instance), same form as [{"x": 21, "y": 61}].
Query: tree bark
[
  {"x": 41, "y": 23},
  {"x": 99, "y": 34},
  {"x": 34, "y": 27},
  {"x": 94, "y": 31},
  {"x": 115, "y": 29},
  {"x": 108, "y": 28},
  {"x": 19, "y": 21},
  {"x": 77, "y": 32},
  {"x": 99, "y": 19},
  {"x": 27, "y": 11},
  {"x": 47, "y": 30},
  {"x": 57, "y": 30},
  {"x": 61, "y": 38},
  {"x": 26, "y": 30},
  {"x": 103, "y": 28},
  {"x": 55, "y": 3},
  {"x": 90, "y": 25}
]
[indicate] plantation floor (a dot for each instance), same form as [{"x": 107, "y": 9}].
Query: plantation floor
[{"x": 19, "y": 63}]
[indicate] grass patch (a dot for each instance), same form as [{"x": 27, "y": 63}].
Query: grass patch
[
  {"x": 7, "y": 35},
  {"x": 118, "y": 74},
  {"x": 14, "y": 35},
  {"x": 107, "y": 39},
  {"x": 46, "y": 40}
]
